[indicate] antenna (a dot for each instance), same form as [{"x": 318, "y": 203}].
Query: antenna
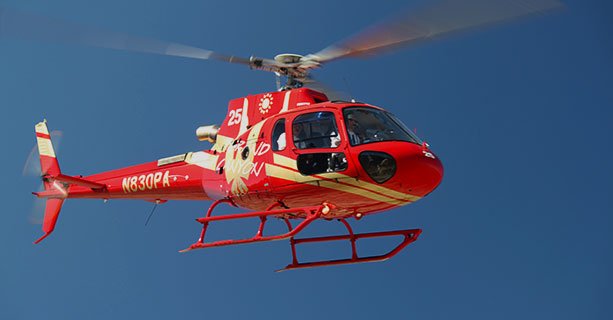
[
  {"x": 349, "y": 89},
  {"x": 152, "y": 211}
]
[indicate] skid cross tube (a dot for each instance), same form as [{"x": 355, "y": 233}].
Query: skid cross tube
[
  {"x": 205, "y": 225},
  {"x": 310, "y": 214},
  {"x": 409, "y": 236}
]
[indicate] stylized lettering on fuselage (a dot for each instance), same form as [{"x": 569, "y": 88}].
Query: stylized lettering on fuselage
[
  {"x": 242, "y": 168},
  {"x": 245, "y": 168},
  {"x": 144, "y": 182}
]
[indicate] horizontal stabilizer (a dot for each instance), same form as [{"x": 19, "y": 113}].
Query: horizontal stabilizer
[{"x": 79, "y": 181}]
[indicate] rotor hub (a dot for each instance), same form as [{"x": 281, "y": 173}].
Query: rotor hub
[{"x": 288, "y": 58}]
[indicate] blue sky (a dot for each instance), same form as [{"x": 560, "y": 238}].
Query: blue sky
[{"x": 520, "y": 115}]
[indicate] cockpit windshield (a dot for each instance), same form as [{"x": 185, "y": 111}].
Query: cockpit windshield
[{"x": 366, "y": 125}]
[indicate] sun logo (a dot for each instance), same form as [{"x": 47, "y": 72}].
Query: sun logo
[{"x": 265, "y": 103}]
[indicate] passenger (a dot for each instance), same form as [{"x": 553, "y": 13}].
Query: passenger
[
  {"x": 324, "y": 134},
  {"x": 353, "y": 129},
  {"x": 299, "y": 136},
  {"x": 281, "y": 142},
  {"x": 335, "y": 138}
]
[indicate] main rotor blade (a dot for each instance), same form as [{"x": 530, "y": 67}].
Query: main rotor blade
[
  {"x": 440, "y": 18},
  {"x": 27, "y": 26}
]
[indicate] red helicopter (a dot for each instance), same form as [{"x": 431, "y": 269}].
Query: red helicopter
[{"x": 292, "y": 154}]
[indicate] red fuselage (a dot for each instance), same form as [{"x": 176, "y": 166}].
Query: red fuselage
[{"x": 250, "y": 164}]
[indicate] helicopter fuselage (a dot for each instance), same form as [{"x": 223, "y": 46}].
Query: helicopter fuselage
[{"x": 259, "y": 159}]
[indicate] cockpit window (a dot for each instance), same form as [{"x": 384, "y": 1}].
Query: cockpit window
[
  {"x": 366, "y": 125},
  {"x": 315, "y": 130}
]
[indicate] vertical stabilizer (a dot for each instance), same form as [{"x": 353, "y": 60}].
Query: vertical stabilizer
[
  {"x": 48, "y": 161},
  {"x": 52, "y": 211},
  {"x": 49, "y": 168}
]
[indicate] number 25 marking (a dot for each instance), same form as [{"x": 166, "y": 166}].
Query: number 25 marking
[{"x": 235, "y": 116}]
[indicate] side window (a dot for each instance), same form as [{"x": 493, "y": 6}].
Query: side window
[
  {"x": 278, "y": 136},
  {"x": 316, "y": 163},
  {"x": 315, "y": 130}
]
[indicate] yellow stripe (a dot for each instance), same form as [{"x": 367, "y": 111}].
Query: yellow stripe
[
  {"x": 291, "y": 163},
  {"x": 286, "y": 101},
  {"x": 221, "y": 142},
  {"x": 296, "y": 176},
  {"x": 255, "y": 131},
  {"x": 203, "y": 159},
  {"x": 287, "y": 174},
  {"x": 45, "y": 148},
  {"x": 41, "y": 127},
  {"x": 384, "y": 190},
  {"x": 361, "y": 192},
  {"x": 284, "y": 161},
  {"x": 244, "y": 119}
]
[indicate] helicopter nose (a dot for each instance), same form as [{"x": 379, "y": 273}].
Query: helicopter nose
[
  {"x": 406, "y": 166},
  {"x": 420, "y": 171}
]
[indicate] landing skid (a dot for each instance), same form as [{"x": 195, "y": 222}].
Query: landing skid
[
  {"x": 409, "y": 237},
  {"x": 308, "y": 215}
]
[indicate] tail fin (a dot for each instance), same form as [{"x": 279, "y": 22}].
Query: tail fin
[
  {"x": 52, "y": 211},
  {"x": 48, "y": 161},
  {"x": 49, "y": 168}
]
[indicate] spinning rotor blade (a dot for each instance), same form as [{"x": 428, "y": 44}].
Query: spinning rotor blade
[
  {"x": 37, "y": 212},
  {"x": 26, "y": 26},
  {"x": 429, "y": 22}
]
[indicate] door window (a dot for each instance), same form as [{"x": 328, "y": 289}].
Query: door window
[
  {"x": 279, "y": 139},
  {"x": 315, "y": 130}
]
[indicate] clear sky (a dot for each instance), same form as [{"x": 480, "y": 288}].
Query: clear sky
[{"x": 520, "y": 115}]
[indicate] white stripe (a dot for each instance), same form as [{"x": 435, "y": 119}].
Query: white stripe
[
  {"x": 286, "y": 101},
  {"x": 244, "y": 118},
  {"x": 41, "y": 127},
  {"x": 203, "y": 159},
  {"x": 45, "y": 148}
]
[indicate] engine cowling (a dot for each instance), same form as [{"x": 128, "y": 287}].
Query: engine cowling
[{"x": 207, "y": 133}]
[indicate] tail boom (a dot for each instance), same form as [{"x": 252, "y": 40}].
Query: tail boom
[{"x": 157, "y": 181}]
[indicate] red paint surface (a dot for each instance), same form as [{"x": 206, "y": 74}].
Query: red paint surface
[{"x": 353, "y": 194}]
